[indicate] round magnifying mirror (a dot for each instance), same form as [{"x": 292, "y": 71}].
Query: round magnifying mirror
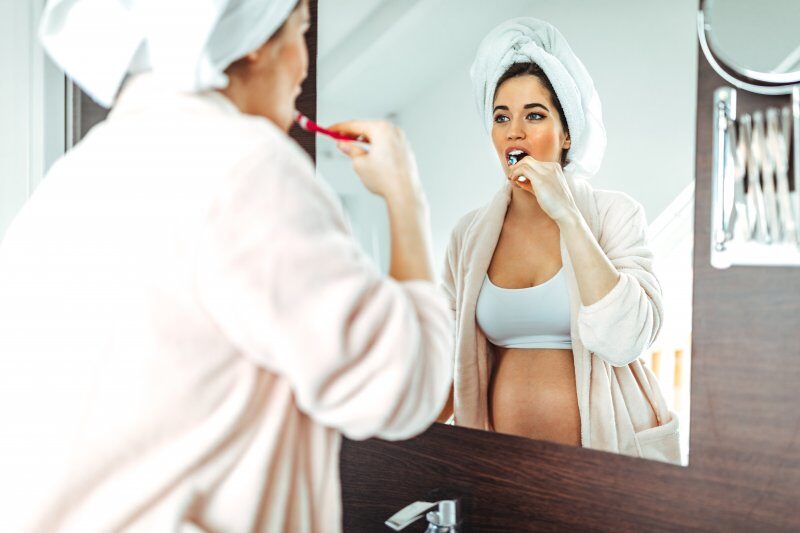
[{"x": 758, "y": 40}]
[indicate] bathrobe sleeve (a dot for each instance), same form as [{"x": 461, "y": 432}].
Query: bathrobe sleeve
[
  {"x": 283, "y": 278},
  {"x": 452, "y": 258},
  {"x": 452, "y": 267},
  {"x": 622, "y": 324},
  {"x": 448, "y": 283}
]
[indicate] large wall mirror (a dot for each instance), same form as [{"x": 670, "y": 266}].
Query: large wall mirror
[{"x": 409, "y": 62}]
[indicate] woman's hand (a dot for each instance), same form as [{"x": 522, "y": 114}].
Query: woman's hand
[
  {"x": 388, "y": 167},
  {"x": 547, "y": 183}
]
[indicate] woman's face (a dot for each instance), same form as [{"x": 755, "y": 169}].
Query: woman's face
[
  {"x": 274, "y": 73},
  {"x": 526, "y": 120}
]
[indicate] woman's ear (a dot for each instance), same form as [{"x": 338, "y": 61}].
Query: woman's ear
[
  {"x": 242, "y": 65},
  {"x": 260, "y": 58},
  {"x": 567, "y": 142}
]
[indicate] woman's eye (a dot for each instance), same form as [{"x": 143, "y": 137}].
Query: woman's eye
[{"x": 531, "y": 116}]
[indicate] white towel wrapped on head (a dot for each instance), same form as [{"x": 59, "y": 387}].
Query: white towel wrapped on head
[
  {"x": 530, "y": 40},
  {"x": 188, "y": 44}
]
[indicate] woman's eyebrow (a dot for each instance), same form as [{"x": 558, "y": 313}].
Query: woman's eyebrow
[
  {"x": 536, "y": 104},
  {"x": 527, "y": 106}
]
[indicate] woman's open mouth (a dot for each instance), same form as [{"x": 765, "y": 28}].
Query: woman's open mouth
[{"x": 515, "y": 156}]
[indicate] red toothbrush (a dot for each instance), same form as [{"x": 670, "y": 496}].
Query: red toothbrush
[{"x": 309, "y": 125}]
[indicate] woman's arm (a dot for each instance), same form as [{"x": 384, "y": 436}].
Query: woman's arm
[
  {"x": 621, "y": 311},
  {"x": 594, "y": 272},
  {"x": 389, "y": 170},
  {"x": 287, "y": 284},
  {"x": 622, "y": 324},
  {"x": 409, "y": 223}
]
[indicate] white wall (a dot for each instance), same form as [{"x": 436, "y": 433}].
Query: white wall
[
  {"x": 456, "y": 159},
  {"x": 32, "y": 114}
]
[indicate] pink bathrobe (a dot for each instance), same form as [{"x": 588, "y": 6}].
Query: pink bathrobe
[
  {"x": 621, "y": 406},
  {"x": 187, "y": 328}
]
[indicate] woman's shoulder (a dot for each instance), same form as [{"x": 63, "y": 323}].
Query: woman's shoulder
[
  {"x": 266, "y": 158},
  {"x": 465, "y": 222},
  {"x": 266, "y": 165},
  {"x": 613, "y": 205},
  {"x": 608, "y": 211},
  {"x": 260, "y": 136}
]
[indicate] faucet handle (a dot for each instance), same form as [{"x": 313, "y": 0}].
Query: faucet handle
[
  {"x": 409, "y": 514},
  {"x": 446, "y": 519},
  {"x": 448, "y": 515}
]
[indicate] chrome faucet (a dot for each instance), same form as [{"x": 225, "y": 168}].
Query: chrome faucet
[{"x": 446, "y": 519}]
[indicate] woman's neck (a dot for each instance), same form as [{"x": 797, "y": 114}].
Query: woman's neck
[
  {"x": 251, "y": 101},
  {"x": 525, "y": 208}
]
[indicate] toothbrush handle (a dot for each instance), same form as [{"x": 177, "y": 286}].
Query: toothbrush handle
[{"x": 309, "y": 125}]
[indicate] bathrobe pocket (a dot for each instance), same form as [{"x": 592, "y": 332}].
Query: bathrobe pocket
[{"x": 660, "y": 443}]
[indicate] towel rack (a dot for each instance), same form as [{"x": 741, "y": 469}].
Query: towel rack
[
  {"x": 755, "y": 207},
  {"x": 755, "y": 204}
]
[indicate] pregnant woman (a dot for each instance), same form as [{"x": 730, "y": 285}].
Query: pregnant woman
[{"x": 551, "y": 282}]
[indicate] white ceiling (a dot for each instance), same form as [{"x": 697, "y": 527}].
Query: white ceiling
[
  {"x": 342, "y": 17},
  {"x": 365, "y": 40}
]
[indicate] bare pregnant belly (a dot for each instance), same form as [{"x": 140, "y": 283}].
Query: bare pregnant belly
[{"x": 532, "y": 394}]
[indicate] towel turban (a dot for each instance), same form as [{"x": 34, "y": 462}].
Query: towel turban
[
  {"x": 529, "y": 40},
  {"x": 188, "y": 44}
]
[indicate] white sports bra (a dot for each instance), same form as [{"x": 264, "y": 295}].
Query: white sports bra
[{"x": 534, "y": 317}]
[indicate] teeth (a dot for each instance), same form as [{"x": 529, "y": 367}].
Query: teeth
[{"x": 514, "y": 156}]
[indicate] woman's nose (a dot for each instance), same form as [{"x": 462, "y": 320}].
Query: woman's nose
[{"x": 515, "y": 131}]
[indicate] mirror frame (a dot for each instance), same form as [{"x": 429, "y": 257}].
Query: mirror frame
[{"x": 767, "y": 83}]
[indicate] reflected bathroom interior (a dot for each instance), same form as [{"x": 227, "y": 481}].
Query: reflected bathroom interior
[{"x": 389, "y": 60}]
